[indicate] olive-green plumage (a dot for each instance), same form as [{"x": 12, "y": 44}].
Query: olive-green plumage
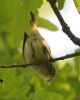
[{"x": 35, "y": 49}]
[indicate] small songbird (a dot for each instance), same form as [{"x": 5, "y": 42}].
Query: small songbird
[{"x": 36, "y": 50}]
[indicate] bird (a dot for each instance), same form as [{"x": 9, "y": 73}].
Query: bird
[{"x": 36, "y": 50}]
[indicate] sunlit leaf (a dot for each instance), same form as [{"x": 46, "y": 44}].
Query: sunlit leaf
[
  {"x": 77, "y": 4},
  {"x": 46, "y": 24}
]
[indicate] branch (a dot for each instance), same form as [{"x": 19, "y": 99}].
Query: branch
[
  {"x": 32, "y": 64},
  {"x": 66, "y": 57},
  {"x": 65, "y": 27}
]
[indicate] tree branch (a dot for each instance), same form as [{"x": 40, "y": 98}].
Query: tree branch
[
  {"x": 65, "y": 27},
  {"x": 66, "y": 57},
  {"x": 38, "y": 63}
]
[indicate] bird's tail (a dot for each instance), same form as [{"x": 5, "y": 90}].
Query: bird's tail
[
  {"x": 46, "y": 70},
  {"x": 33, "y": 19}
]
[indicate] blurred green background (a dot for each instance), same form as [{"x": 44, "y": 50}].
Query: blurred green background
[{"x": 23, "y": 83}]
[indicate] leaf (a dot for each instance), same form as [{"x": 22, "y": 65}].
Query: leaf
[
  {"x": 75, "y": 84},
  {"x": 60, "y": 4},
  {"x": 46, "y": 24},
  {"x": 45, "y": 95},
  {"x": 14, "y": 20},
  {"x": 67, "y": 71},
  {"x": 77, "y": 4},
  {"x": 77, "y": 65},
  {"x": 15, "y": 16}
]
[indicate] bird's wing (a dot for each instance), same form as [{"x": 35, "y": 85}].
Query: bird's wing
[{"x": 24, "y": 41}]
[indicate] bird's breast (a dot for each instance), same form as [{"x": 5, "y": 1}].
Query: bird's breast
[{"x": 36, "y": 50}]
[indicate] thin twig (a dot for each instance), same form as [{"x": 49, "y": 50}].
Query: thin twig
[
  {"x": 66, "y": 56},
  {"x": 65, "y": 27},
  {"x": 38, "y": 63}
]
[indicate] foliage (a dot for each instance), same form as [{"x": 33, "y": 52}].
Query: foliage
[
  {"x": 77, "y": 4},
  {"x": 23, "y": 83},
  {"x": 46, "y": 24},
  {"x": 60, "y": 3}
]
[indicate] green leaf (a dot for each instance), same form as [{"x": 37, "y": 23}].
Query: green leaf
[
  {"x": 77, "y": 65},
  {"x": 77, "y": 4},
  {"x": 14, "y": 20},
  {"x": 15, "y": 16},
  {"x": 66, "y": 71},
  {"x": 46, "y": 24},
  {"x": 60, "y": 4},
  {"x": 45, "y": 95},
  {"x": 75, "y": 84}
]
